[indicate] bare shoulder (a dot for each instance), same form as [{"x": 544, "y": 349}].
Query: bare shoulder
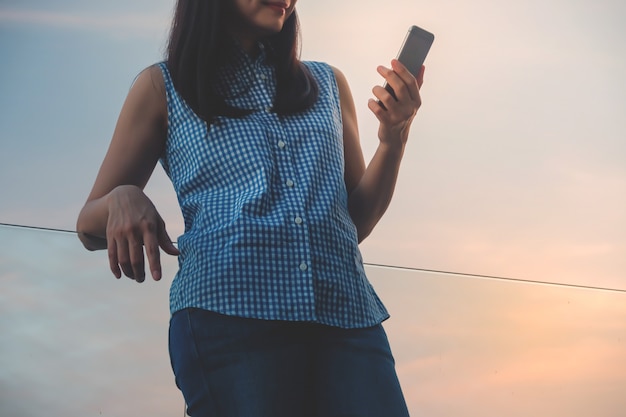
[
  {"x": 345, "y": 95},
  {"x": 154, "y": 76},
  {"x": 147, "y": 96},
  {"x": 150, "y": 81},
  {"x": 353, "y": 155},
  {"x": 341, "y": 79},
  {"x": 149, "y": 84}
]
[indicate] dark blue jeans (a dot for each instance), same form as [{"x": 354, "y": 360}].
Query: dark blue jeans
[{"x": 236, "y": 367}]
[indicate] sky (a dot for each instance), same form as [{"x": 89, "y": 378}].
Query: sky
[
  {"x": 515, "y": 165},
  {"x": 77, "y": 342}
]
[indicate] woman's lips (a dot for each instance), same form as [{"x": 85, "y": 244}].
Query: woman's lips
[{"x": 278, "y": 6}]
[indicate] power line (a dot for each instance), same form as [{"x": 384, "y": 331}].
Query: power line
[
  {"x": 399, "y": 268},
  {"x": 495, "y": 277},
  {"x": 45, "y": 229}
]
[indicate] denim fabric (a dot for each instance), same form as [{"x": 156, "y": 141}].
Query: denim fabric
[{"x": 237, "y": 367}]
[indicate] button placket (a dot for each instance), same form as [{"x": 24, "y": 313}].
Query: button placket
[{"x": 297, "y": 220}]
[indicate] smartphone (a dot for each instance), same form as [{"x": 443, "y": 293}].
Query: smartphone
[{"x": 413, "y": 52}]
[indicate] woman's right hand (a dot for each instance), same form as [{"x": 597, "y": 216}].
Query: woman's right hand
[{"x": 134, "y": 224}]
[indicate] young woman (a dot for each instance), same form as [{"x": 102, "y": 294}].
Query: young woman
[{"x": 272, "y": 314}]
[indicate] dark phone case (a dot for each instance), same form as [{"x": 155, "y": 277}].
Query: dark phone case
[{"x": 413, "y": 52}]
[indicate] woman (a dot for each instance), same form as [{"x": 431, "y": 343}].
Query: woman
[{"x": 272, "y": 314}]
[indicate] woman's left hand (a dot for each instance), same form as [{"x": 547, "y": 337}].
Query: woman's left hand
[{"x": 397, "y": 114}]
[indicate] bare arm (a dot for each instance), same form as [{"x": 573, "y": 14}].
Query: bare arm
[
  {"x": 117, "y": 215},
  {"x": 370, "y": 188}
]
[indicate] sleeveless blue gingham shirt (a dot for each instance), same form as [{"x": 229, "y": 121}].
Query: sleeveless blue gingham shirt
[{"x": 267, "y": 230}]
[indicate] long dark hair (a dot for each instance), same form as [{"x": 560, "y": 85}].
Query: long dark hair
[{"x": 198, "y": 40}]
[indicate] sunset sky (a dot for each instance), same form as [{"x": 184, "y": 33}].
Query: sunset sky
[{"x": 516, "y": 165}]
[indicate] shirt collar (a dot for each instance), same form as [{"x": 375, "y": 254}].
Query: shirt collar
[{"x": 239, "y": 68}]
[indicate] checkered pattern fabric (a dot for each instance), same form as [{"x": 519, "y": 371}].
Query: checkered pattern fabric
[{"x": 267, "y": 230}]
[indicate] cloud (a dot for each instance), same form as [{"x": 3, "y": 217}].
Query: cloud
[
  {"x": 127, "y": 24},
  {"x": 480, "y": 347},
  {"x": 72, "y": 331}
]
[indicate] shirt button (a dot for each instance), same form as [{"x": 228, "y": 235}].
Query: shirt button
[
  {"x": 298, "y": 220},
  {"x": 290, "y": 183},
  {"x": 281, "y": 144},
  {"x": 303, "y": 266},
  {"x": 263, "y": 77},
  {"x": 268, "y": 109}
]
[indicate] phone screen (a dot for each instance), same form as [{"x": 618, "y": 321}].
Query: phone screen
[
  {"x": 413, "y": 52},
  {"x": 415, "y": 48}
]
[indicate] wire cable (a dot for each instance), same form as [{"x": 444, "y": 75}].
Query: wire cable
[
  {"x": 401, "y": 268},
  {"x": 495, "y": 277}
]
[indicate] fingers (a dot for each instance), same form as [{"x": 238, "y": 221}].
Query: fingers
[
  {"x": 113, "y": 261},
  {"x": 136, "y": 261},
  {"x": 409, "y": 81},
  {"x": 398, "y": 77},
  {"x": 405, "y": 99},
  {"x": 166, "y": 243},
  {"x": 378, "y": 107},
  {"x": 153, "y": 242},
  {"x": 134, "y": 226},
  {"x": 420, "y": 77},
  {"x": 154, "y": 255},
  {"x": 126, "y": 255}
]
